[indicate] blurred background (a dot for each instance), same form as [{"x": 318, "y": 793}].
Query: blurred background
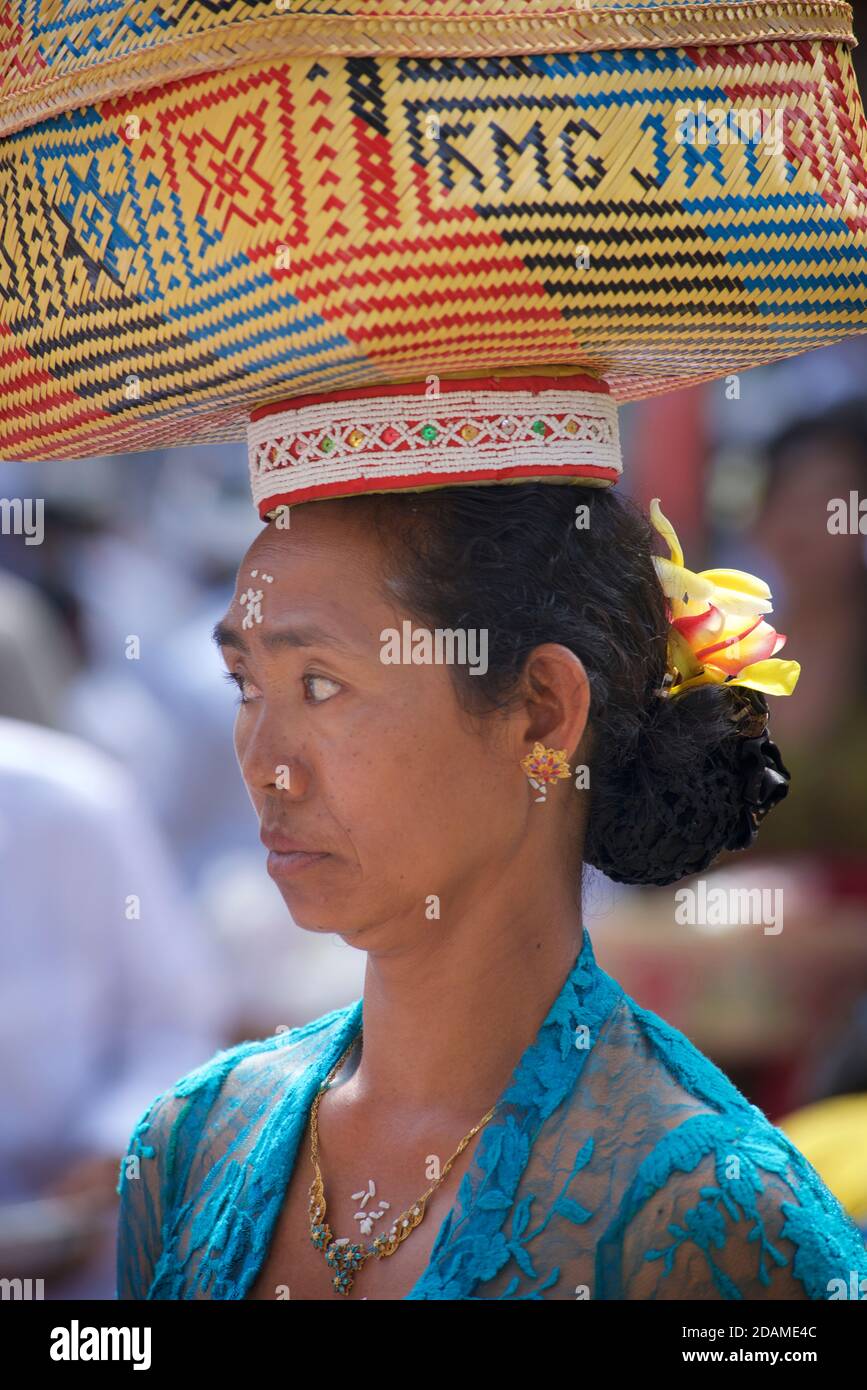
[{"x": 139, "y": 931}]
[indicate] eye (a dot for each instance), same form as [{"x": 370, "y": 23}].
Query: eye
[
  {"x": 240, "y": 680},
  {"x": 322, "y": 680}
]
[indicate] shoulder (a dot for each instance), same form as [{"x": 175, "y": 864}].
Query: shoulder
[
  {"x": 185, "y": 1121},
  {"x": 722, "y": 1204},
  {"x": 197, "y": 1143},
  {"x": 685, "y": 1064},
  {"x": 286, "y": 1053}
]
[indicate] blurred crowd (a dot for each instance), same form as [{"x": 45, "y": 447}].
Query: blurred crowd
[{"x": 140, "y": 932}]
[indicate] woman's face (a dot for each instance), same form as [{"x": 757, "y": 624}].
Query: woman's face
[{"x": 372, "y": 766}]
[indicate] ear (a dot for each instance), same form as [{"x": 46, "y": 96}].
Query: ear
[{"x": 555, "y": 705}]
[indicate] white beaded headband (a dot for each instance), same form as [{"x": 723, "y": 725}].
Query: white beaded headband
[{"x": 391, "y": 438}]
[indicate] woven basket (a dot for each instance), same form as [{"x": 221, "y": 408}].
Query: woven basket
[{"x": 209, "y": 207}]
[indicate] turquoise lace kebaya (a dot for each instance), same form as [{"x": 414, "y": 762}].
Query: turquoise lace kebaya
[{"x": 620, "y": 1163}]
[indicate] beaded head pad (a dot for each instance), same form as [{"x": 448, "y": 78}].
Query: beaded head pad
[
  {"x": 423, "y": 435},
  {"x": 208, "y": 208}
]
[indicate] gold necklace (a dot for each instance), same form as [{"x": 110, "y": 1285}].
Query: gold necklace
[{"x": 344, "y": 1256}]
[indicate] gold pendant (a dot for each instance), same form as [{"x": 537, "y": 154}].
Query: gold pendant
[
  {"x": 343, "y": 1256},
  {"x": 347, "y": 1259}
]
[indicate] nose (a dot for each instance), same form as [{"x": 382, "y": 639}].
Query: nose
[{"x": 271, "y": 758}]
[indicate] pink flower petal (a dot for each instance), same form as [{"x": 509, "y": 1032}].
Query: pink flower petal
[
  {"x": 731, "y": 640},
  {"x": 760, "y": 644},
  {"x": 701, "y": 629}
]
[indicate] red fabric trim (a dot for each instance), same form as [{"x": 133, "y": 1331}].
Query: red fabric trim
[
  {"x": 484, "y": 383},
  {"x": 321, "y": 491}
]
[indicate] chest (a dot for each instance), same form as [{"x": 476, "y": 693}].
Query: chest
[{"x": 295, "y": 1269}]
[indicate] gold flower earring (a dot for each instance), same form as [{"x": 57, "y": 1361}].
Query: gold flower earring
[{"x": 545, "y": 765}]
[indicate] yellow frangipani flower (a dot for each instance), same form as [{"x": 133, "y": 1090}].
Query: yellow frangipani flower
[{"x": 718, "y": 634}]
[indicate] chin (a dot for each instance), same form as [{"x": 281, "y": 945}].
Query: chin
[
  {"x": 308, "y": 920},
  {"x": 353, "y": 919},
  {"x": 319, "y": 912}
]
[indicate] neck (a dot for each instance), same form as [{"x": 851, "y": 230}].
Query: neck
[{"x": 447, "y": 1017}]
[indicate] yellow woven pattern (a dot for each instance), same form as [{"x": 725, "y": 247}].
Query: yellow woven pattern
[
  {"x": 171, "y": 260},
  {"x": 69, "y": 53}
]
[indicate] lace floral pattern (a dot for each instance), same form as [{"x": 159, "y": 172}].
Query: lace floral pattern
[{"x": 620, "y": 1163}]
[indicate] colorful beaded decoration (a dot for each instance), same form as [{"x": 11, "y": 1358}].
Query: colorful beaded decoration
[{"x": 496, "y": 430}]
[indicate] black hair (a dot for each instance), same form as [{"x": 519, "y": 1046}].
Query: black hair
[{"x": 666, "y": 793}]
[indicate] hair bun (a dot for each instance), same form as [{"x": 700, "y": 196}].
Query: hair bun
[
  {"x": 697, "y": 781},
  {"x": 765, "y": 782}
]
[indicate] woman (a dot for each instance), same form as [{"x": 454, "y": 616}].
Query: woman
[
  {"x": 576, "y": 1145},
  {"x": 323, "y": 198}
]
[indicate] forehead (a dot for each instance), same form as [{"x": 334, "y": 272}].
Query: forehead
[
  {"x": 325, "y": 561},
  {"x": 320, "y": 537}
]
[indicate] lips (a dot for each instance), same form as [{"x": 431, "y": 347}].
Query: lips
[{"x": 288, "y": 858}]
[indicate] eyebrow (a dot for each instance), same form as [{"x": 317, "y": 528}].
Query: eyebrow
[{"x": 308, "y": 635}]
